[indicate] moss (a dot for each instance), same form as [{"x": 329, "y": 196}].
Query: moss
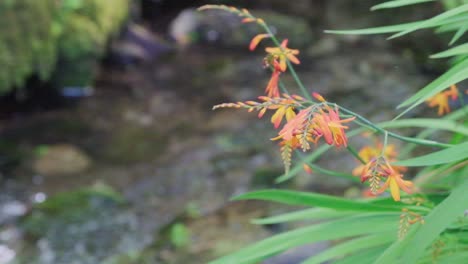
[{"x": 36, "y": 36}]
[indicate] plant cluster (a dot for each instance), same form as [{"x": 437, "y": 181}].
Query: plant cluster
[
  {"x": 36, "y": 35},
  {"x": 427, "y": 224}
]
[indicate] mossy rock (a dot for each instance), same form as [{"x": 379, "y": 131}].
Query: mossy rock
[
  {"x": 41, "y": 32},
  {"x": 68, "y": 207}
]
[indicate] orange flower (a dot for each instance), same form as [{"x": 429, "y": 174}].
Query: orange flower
[
  {"x": 310, "y": 125},
  {"x": 442, "y": 100},
  {"x": 284, "y": 107},
  {"x": 284, "y": 110},
  {"x": 329, "y": 125},
  {"x": 283, "y": 53},
  {"x": 294, "y": 125},
  {"x": 272, "y": 87},
  {"x": 256, "y": 40},
  {"x": 395, "y": 182},
  {"x": 368, "y": 153},
  {"x": 378, "y": 168},
  {"x": 307, "y": 168}
]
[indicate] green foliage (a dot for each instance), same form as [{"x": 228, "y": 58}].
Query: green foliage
[
  {"x": 36, "y": 34},
  {"x": 454, "y": 19},
  {"x": 179, "y": 235},
  {"x": 428, "y": 227},
  {"x": 69, "y": 206}
]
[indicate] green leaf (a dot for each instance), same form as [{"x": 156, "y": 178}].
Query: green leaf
[
  {"x": 460, "y": 32},
  {"x": 434, "y": 20},
  {"x": 315, "y": 199},
  {"x": 453, "y": 154},
  {"x": 363, "y": 257},
  {"x": 455, "y": 51},
  {"x": 352, "y": 246},
  {"x": 399, "y": 3},
  {"x": 413, "y": 246},
  {"x": 456, "y": 74},
  {"x": 338, "y": 229},
  {"x": 307, "y": 214},
  {"x": 441, "y": 124},
  {"x": 396, "y": 28}
]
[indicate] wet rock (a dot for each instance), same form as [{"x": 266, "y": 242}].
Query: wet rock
[
  {"x": 61, "y": 159},
  {"x": 137, "y": 44},
  {"x": 225, "y": 28},
  {"x": 229, "y": 229},
  {"x": 133, "y": 143},
  {"x": 11, "y": 210}
]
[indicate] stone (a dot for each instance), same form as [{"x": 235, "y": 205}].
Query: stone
[
  {"x": 224, "y": 28},
  {"x": 61, "y": 159}
]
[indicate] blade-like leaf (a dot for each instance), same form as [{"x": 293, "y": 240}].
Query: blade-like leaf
[
  {"x": 460, "y": 32},
  {"x": 364, "y": 257},
  {"x": 399, "y": 3},
  {"x": 441, "y": 124},
  {"x": 421, "y": 237},
  {"x": 352, "y": 246},
  {"x": 455, "y": 51},
  {"x": 338, "y": 229},
  {"x": 453, "y": 154},
  {"x": 396, "y": 28},
  {"x": 315, "y": 199},
  {"x": 435, "y": 20},
  {"x": 307, "y": 214},
  {"x": 456, "y": 74}
]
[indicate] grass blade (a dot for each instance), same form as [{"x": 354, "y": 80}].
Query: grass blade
[
  {"x": 315, "y": 199},
  {"x": 398, "y": 3},
  {"x": 453, "y": 154},
  {"x": 455, "y": 51},
  {"x": 338, "y": 229}
]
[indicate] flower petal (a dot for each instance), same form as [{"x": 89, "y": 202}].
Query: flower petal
[{"x": 256, "y": 40}]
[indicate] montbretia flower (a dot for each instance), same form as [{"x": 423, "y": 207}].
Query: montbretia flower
[
  {"x": 395, "y": 182},
  {"x": 295, "y": 125},
  {"x": 441, "y": 100},
  {"x": 287, "y": 146},
  {"x": 272, "y": 89},
  {"x": 330, "y": 126},
  {"x": 315, "y": 122},
  {"x": 379, "y": 168},
  {"x": 368, "y": 153},
  {"x": 256, "y": 40},
  {"x": 282, "y": 54},
  {"x": 284, "y": 107}
]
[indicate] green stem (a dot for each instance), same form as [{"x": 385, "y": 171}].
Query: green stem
[
  {"x": 333, "y": 173},
  {"x": 355, "y": 154},
  {"x": 391, "y": 134},
  {"x": 385, "y": 144},
  {"x": 290, "y": 67}
]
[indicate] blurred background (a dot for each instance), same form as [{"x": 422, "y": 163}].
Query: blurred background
[{"x": 109, "y": 149}]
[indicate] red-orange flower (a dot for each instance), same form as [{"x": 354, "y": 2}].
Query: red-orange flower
[
  {"x": 310, "y": 124},
  {"x": 285, "y": 107},
  {"x": 272, "y": 89},
  {"x": 295, "y": 125},
  {"x": 283, "y": 53},
  {"x": 395, "y": 182},
  {"x": 442, "y": 100},
  {"x": 330, "y": 126},
  {"x": 256, "y": 40},
  {"x": 368, "y": 153},
  {"x": 379, "y": 168}
]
